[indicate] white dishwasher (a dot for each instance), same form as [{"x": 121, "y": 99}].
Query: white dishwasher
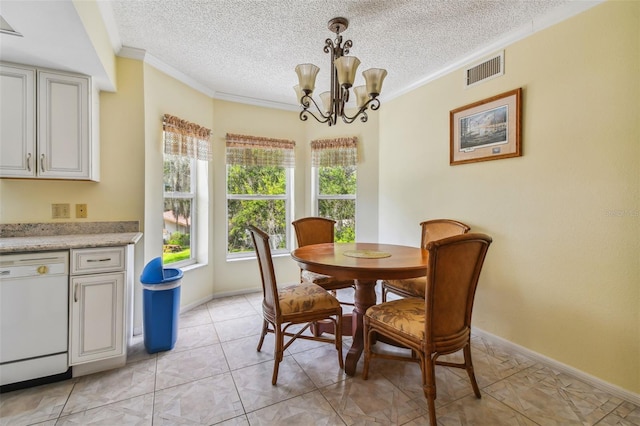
[{"x": 34, "y": 318}]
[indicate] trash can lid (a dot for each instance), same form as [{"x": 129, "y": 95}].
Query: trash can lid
[{"x": 154, "y": 273}]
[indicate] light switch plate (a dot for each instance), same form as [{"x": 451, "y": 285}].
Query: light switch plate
[{"x": 60, "y": 211}]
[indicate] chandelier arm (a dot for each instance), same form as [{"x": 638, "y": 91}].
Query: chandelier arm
[
  {"x": 347, "y": 45},
  {"x": 306, "y": 99},
  {"x": 374, "y": 104},
  {"x": 328, "y": 46},
  {"x": 360, "y": 113}
]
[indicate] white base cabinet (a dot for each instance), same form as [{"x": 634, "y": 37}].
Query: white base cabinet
[
  {"x": 45, "y": 125},
  {"x": 99, "y": 300},
  {"x": 97, "y": 325}
]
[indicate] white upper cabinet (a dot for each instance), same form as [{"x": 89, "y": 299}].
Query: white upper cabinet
[
  {"x": 17, "y": 121},
  {"x": 58, "y": 106}
]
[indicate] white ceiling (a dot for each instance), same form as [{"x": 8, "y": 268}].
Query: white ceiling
[{"x": 246, "y": 50}]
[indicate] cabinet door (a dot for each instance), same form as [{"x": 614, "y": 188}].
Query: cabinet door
[
  {"x": 17, "y": 122},
  {"x": 63, "y": 126},
  {"x": 96, "y": 317}
]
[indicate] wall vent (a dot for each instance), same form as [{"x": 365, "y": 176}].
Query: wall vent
[{"x": 485, "y": 70}]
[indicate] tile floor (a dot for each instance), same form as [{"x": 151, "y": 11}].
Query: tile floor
[{"x": 214, "y": 376}]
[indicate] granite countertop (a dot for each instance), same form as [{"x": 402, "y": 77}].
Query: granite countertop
[{"x": 63, "y": 236}]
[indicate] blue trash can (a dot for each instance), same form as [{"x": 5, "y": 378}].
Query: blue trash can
[{"x": 161, "y": 305}]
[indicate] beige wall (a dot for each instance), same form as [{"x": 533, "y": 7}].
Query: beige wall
[
  {"x": 165, "y": 95},
  {"x": 230, "y": 117},
  {"x": 562, "y": 276}
]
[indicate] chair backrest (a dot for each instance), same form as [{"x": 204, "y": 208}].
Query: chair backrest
[
  {"x": 452, "y": 278},
  {"x": 314, "y": 230},
  {"x": 267, "y": 272},
  {"x": 438, "y": 229}
]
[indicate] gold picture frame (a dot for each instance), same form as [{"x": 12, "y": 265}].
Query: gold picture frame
[{"x": 486, "y": 130}]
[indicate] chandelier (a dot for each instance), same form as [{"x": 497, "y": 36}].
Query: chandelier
[{"x": 343, "y": 73}]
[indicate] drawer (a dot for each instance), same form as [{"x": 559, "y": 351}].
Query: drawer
[{"x": 93, "y": 261}]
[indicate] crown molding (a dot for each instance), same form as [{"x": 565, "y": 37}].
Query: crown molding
[
  {"x": 144, "y": 56},
  {"x": 256, "y": 102},
  {"x": 560, "y": 14}
]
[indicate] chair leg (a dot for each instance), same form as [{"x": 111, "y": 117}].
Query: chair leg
[
  {"x": 367, "y": 350},
  {"x": 384, "y": 293},
  {"x": 429, "y": 387},
  {"x": 469, "y": 367},
  {"x": 265, "y": 325},
  {"x": 277, "y": 353},
  {"x": 338, "y": 338}
]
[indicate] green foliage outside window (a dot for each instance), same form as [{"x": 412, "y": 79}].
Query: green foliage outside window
[
  {"x": 178, "y": 203},
  {"x": 335, "y": 185},
  {"x": 337, "y": 180},
  {"x": 257, "y": 196}
]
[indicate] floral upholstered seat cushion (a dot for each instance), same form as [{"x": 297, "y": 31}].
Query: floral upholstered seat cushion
[
  {"x": 315, "y": 278},
  {"x": 405, "y": 315},
  {"x": 304, "y": 297},
  {"x": 413, "y": 286}
]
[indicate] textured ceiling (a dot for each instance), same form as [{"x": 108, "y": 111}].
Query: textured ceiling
[
  {"x": 250, "y": 48},
  {"x": 246, "y": 50}
]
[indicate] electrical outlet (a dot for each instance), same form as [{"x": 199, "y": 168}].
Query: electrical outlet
[
  {"x": 60, "y": 211},
  {"x": 81, "y": 211}
]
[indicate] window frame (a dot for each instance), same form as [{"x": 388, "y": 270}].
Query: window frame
[
  {"x": 316, "y": 196},
  {"x": 288, "y": 200},
  {"x": 193, "y": 196}
]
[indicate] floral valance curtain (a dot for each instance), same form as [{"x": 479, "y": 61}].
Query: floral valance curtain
[
  {"x": 258, "y": 151},
  {"x": 334, "y": 152},
  {"x": 186, "y": 139}
]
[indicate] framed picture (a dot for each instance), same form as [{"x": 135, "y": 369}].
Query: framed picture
[{"x": 486, "y": 130}]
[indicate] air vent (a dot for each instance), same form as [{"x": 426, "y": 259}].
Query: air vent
[{"x": 485, "y": 70}]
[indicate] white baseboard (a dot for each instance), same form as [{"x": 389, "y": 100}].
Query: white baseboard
[
  {"x": 139, "y": 330},
  {"x": 617, "y": 391},
  {"x": 190, "y": 306}
]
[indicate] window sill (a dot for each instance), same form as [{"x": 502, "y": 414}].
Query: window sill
[
  {"x": 253, "y": 257},
  {"x": 193, "y": 266}
]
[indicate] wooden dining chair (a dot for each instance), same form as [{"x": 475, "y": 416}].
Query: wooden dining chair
[
  {"x": 318, "y": 230},
  {"x": 438, "y": 324},
  {"x": 432, "y": 230},
  {"x": 303, "y": 303}
]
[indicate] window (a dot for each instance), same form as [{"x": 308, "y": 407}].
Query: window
[
  {"x": 259, "y": 176},
  {"x": 186, "y": 147},
  {"x": 334, "y": 183},
  {"x": 179, "y": 208}
]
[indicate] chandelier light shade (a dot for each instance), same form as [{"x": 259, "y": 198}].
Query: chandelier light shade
[
  {"x": 343, "y": 74},
  {"x": 307, "y": 76}
]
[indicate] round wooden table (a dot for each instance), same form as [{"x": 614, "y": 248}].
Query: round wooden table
[{"x": 365, "y": 263}]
